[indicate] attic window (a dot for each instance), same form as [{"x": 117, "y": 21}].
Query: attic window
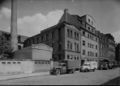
[{"x": 88, "y": 20}]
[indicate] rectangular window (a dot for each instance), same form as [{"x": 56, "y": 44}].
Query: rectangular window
[
  {"x": 14, "y": 62},
  {"x": 68, "y": 33},
  {"x": 88, "y": 53},
  {"x": 68, "y": 43},
  {"x": 18, "y": 62},
  {"x": 68, "y": 57},
  {"x": 71, "y": 33},
  {"x": 96, "y": 46},
  {"x": 83, "y": 33},
  {"x": 3, "y": 62},
  {"x": 96, "y": 54},
  {"x": 8, "y": 62},
  {"x": 75, "y": 46},
  {"x": 83, "y": 43},
  {"x": 75, "y": 35},
  {"x": 83, "y": 52}
]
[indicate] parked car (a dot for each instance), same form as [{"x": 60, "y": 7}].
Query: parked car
[{"x": 89, "y": 66}]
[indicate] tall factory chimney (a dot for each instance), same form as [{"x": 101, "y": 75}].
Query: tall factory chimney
[{"x": 14, "y": 25}]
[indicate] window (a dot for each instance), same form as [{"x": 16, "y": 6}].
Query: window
[
  {"x": 60, "y": 47},
  {"x": 18, "y": 62},
  {"x": 68, "y": 44},
  {"x": 8, "y": 62},
  {"x": 74, "y": 57},
  {"x": 19, "y": 38},
  {"x": 88, "y": 53},
  {"x": 14, "y": 62},
  {"x": 75, "y": 46},
  {"x": 96, "y": 39},
  {"x": 88, "y": 35},
  {"x": 75, "y": 35},
  {"x": 68, "y": 57},
  {"x": 88, "y": 45},
  {"x": 36, "y": 62},
  {"x": 68, "y": 32},
  {"x": 83, "y": 33},
  {"x": 19, "y": 47},
  {"x": 3, "y": 62},
  {"x": 89, "y": 20},
  {"x": 78, "y": 36},
  {"x": 96, "y": 46},
  {"x": 83, "y": 42},
  {"x": 96, "y": 54},
  {"x": 83, "y": 52},
  {"x": 89, "y": 28},
  {"x": 71, "y": 33}
]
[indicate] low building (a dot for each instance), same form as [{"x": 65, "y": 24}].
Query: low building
[{"x": 35, "y": 58}]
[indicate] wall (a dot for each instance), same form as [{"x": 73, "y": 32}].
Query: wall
[
  {"x": 9, "y": 67},
  {"x": 41, "y": 66},
  {"x": 25, "y": 53},
  {"x": 41, "y": 52},
  {"x": 15, "y": 67}
]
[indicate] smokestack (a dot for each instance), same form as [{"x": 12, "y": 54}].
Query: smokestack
[{"x": 14, "y": 25}]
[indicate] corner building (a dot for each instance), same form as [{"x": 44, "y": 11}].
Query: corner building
[{"x": 73, "y": 38}]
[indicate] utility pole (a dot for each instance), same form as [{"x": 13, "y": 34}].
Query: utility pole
[{"x": 14, "y": 39}]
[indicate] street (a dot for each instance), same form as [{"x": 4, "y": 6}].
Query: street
[{"x": 98, "y": 77}]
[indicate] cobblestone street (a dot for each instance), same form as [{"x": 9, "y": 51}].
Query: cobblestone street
[{"x": 89, "y": 78}]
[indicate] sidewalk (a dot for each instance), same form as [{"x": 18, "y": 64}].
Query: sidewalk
[{"x": 7, "y": 77}]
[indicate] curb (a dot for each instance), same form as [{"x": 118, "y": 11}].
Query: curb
[{"x": 22, "y": 76}]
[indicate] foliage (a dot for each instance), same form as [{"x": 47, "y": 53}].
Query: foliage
[{"x": 5, "y": 49}]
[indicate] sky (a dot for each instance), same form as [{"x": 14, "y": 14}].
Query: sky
[{"x": 36, "y": 15}]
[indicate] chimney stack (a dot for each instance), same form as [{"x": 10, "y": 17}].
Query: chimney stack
[
  {"x": 14, "y": 39},
  {"x": 65, "y": 12}
]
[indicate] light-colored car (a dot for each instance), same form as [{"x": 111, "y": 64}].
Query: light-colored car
[{"x": 89, "y": 66}]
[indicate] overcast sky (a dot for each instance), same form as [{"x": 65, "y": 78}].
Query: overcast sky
[{"x": 36, "y": 15}]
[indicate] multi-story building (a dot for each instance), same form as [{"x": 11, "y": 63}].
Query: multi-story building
[
  {"x": 117, "y": 56},
  {"x": 89, "y": 39},
  {"x": 106, "y": 47},
  {"x": 102, "y": 46},
  {"x": 110, "y": 47},
  {"x": 20, "y": 38},
  {"x": 74, "y": 37},
  {"x": 63, "y": 37}
]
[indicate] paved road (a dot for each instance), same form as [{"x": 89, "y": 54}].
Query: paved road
[
  {"x": 115, "y": 81},
  {"x": 91, "y": 78}
]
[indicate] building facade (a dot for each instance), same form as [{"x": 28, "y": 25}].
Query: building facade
[
  {"x": 74, "y": 38},
  {"x": 20, "y": 38},
  {"x": 89, "y": 39},
  {"x": 117, "y": 56}
]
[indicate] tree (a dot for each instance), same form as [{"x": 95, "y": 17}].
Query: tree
[{"x": 5, "y": 48}]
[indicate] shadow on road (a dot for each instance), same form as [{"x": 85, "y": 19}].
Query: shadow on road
[{"x": 115, "y": 81}]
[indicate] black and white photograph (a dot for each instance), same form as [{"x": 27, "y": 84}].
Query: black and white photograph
[{"x": 59, "y": 42}]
